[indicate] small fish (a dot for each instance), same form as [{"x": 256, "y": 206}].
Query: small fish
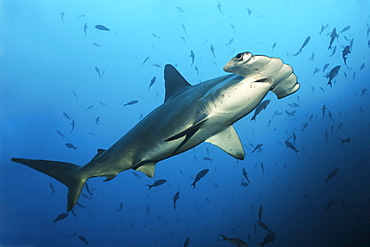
[
  {"x": 187, "y": 242},
  {"x": 312, "y": 56},
  {"x": 331, "y": 175},
  {"x": 213, "y": 51},
  {"x": 249, "y": 11},
  {"x": 347, "y": 140},
  {"x": 155, "y": 36},
  {"x": 98, "y": 71},
  {"x": 258, "y": 147},
  {"x": 200, "y": 174},
  {"x": 207, "y": 159},
  {"x": 192, "y": 56},
  {"x": 155, "y": 65},
  {"x": 97, "y": 45},
  {"x": 333, "y": 73},
  {"x": 89, "y": 107},
  {"x": 303, "y": 46},
  {"x": 152, "y": 82},
  {"x": 323, "y": 28},
  {"x": 236, "y": 241},
  {"x": 70, "y": 145},
  {"x": 245, "y": 174},
  {"x": 345, "y": 29},
  {"x": 87, "y": 197},
  {"x": 132, "y": 102},
  {"x": 73, "y": 124},
  {"x": 183, "y": 27},
  {"x": 362, "y": 66},
  {"x": 52, "y": 188},
  {"x": 83, "y": 239},
  {"x": 120, "y": 207},
  {"x": 61, "y": 217},
  {"x": 175, "y": 198},
  {"x": 262, "y": 168},
  {"x": 345, "y": 53},
  {"x": 85, "y": 29},
  {"x": 291, "y": 146},
  {"x": 230, "y": 42},
  {"x": 333, "y": 35},
  {"x": 273, "y": 46},
  {"x": 102, "y": 28},
  {"x": 260, "y": 211},
  {"x": 290, "y": 114},
  {"x": 325, "y": 67},
  {"x": 181, "y": 10},
  {"x": 97, "y": 120},
  {"x": 156, "y": 183},
  {"x": 62, "y": 16},
  {"x": 259, "y": 108},
  {"x": 232, "y": 26},
  {"x": 334, "y": 51},
  {"x": 88, "y": 188},
  {"x": 66, "y": 115},
  {"x": 363, "y": 91},
  {"x": 196, "y": 69},
  {"x": 145, "y": 60},
  {"x": 271, "y": 237},
  {"x": 219, "y": 7},
  {"x": 60, "y": 133},
  {"x": 263, "y": 226},
  {"x": 331, "y": 203}
]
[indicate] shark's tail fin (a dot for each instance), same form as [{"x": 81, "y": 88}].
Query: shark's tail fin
[{"x": 66, "y": 173}]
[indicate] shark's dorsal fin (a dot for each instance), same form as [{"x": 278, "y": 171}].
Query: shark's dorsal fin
[
  {"x": 228, "y": 140},
  {"x": 147, "y": 169},
  {"x": 174, "y": 81}
]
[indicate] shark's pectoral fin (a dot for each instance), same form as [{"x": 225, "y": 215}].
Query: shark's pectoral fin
[
  {"x": 188, "y": 133},
  {"x": 228, "y": 140},
  {"x": 147, "y": 169}
]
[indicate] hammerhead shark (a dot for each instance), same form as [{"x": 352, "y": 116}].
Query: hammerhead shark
[{"x": 189, "y": 116}]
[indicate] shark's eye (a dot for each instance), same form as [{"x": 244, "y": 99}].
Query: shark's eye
[{"x": 239, "y": 56}]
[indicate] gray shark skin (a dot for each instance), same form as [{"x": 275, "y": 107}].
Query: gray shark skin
[{"x": 189, "y": 116}]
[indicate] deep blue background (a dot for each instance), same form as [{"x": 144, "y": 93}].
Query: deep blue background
[{"x": 43, "y": 60}]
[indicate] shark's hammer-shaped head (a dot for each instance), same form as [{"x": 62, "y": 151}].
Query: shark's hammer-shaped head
[{"x": 263, "y": 69}]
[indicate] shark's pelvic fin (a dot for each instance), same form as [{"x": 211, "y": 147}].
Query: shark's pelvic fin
[
  {"x": 228, "y": 140},
  {"x": 174, "y": 82},
  {"x": 66, "y": 173},
  {"x": 147, "y": 169}
]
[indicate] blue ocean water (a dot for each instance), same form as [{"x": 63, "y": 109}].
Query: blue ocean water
[{"x": 58, "y": 68}]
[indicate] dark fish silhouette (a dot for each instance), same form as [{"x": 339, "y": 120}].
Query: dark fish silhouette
[
  {"x": 268, "y": 239},
  {"x": 262, "y": 168},
  {"x": 219, "y": 7},
  {"x": 145, "y": 60},
  {"x": 260, "y": 211},
  {"x": 175, "y": 198},
  {"x": 97, "y": 45},
  {"x": 260, "y": 107},
  {"x": 245, "y": 174},
  {"x": 347, "y": 140},
  {"x": 187, "y": 242},
  {"x": 345, "y": 29},
  {"x": 200, "y": 174},
  {"x": 291, "y": 146},
  {"x": 345, "y": 53},
  {"x": 52, "y": 188},
  {"x": 231, "y": 41},
  {"x": 70, "y": 145},
  {"x": 60, "y": 133},
  {"x": 258, "y": 147},
  {"x": 181, "y": 10},
  {"x": 155, "y": 65},
  {"x": 249, "y": 11},
  {"x": 334, "y": 51},
  {"x": 87, "y": 185},
  {"x": 183, "y": 27},
  {"x": 97, "y": 120},
  {"x": 213, "y": 51},
  {"x": 263, "y": 226},
  {"x": 89, "y": 107},
  {"x": 331, "y": 175},
  {"x": 66, "y": 115},
  {"x": 132, "y": 102},
  {"x": 273, "y": 46},
  {"x": 362, "y": 66},
  {"x": 85, "y": 29},
  {"x": 333, "y": 35},
  {"x": 155, "y": 36},
  {"x": 73, "y": 124},
  {"x": 83, "y": 239},
  {"x": 331, "y": 203},
  {"x": 192, "y": 56},
  {"x": 236, "y": 241},
  {"x": 323, "y": 28},
  {"x": 61, "y": 217},
  {"x": 156, "y": 183},
  {"x": 207, "y": 159},
  {"x": 120, "y": 207},
  {"x": 152, "y": 82},
  {"x": 62, "y": 16},
  {"x": 303, "y": 46},
  {"x": 333, "y": 73},
  {"x": 102, "y": 28},
  {"x": 325, "y": 67}
]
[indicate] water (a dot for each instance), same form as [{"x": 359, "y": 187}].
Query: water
[{"x": 48, "y": 68}]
